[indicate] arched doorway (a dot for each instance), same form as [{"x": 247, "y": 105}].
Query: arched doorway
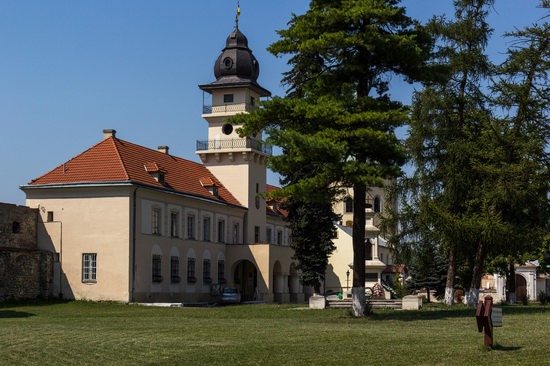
[
  {"x": 245, "y": 278},
  {"x": 521, "y": 288}
]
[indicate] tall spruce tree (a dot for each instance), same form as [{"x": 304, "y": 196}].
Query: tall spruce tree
[
  {"x": 518, "y": 163},
  {"x": 311, "y": 238},
  {"x": 338, "y": 114},
  {"x": 446, "y": 122},
  {"x": 427, "y": 270},
  {"x": 311, "y": 222},
  {"x": 480, "y": 186}
]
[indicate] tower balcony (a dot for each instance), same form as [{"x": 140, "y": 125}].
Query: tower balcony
[
  {"x": 228, "y": 108},
  {"x": 234, "y": 144}
]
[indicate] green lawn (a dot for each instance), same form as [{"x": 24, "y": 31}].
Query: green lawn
[{"x": 117, "y": 334}]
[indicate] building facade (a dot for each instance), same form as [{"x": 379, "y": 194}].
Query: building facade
[{"x": 133, "y": 224}]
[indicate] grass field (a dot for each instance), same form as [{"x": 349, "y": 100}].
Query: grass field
[{"x": 87, "y": 333}]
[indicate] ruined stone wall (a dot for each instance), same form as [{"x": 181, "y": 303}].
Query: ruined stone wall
[
  {"x": 25, "y": 271},
  {"x": 18, "y": 226}
]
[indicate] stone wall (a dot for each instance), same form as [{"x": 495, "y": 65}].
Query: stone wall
[
  {"x": 18, "y": 226},
  {"x": 25, "y": 271}
]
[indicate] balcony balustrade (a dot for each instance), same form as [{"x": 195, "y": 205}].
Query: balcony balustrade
[
  {"x": 230, "y": 144},
  {"x": 228, "y": 108}
]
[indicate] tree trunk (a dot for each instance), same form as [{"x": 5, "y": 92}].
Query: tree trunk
[
  {"x": 472, "y": 297},
  {"x": 358, "y": 290},
  {"x": 451, "y": 272},
  {"x": 317, "y": 288},
  {"x": 428, "y": 297},
  {"x": 511, "y": 284}
]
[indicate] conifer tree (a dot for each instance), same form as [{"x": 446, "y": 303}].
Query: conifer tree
[
  {"x": 338, "y": 114},
  {"x": 480, "y": 186},
  {"x": 517, "y": 162},
  {"x": 445, "y": 125}
]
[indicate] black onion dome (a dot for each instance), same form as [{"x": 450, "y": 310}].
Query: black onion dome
[
  {"x": 236, "y": 67},
  {"x": 236, "y": 59}
]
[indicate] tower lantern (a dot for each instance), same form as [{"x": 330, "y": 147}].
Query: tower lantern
[{"x": 239, "y": 162}]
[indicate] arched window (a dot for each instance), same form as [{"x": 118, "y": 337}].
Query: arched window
[
  {"x": 349, "y": 204},
  {"x": 377, "y": 204}
]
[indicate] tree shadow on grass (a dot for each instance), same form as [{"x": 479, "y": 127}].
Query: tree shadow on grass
[
  {"x": 425, "y": 314},
  {"x": 438, "y": 311},
  {"x": 498, "y": 347},
  {"x": 11, "y": 304},
  {"x": 10, "y": 314}
]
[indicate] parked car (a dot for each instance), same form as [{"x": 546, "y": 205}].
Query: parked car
[{"x": 230, "y": 295}]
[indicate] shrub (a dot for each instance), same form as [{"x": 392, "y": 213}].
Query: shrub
[
  {"x": 459, "y": 296},
  {"x": 543, "y": 298},
  {"x": 368, "y": 308}
]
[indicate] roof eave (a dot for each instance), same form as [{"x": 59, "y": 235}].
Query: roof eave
[{"x": 127, "y": 184}]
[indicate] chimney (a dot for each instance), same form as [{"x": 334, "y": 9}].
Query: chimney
[
  {"x": 109, "y": 133},
  {"x": 163, "y": 149}
]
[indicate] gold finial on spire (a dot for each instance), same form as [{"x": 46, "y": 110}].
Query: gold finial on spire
[{"x": 238, "y": 14}]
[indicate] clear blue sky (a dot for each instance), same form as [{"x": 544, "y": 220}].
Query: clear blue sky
[{"x": 69, "y": 69}]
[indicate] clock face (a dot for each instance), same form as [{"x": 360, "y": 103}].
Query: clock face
[
  {"x": 257, "y": 202},
  {"x": 228, "y": 62}
]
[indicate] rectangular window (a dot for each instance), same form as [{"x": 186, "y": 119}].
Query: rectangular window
[
  {"x": 221, "y": 272},
  {"x": 190, "y": 227},
  {"x": 155, "y": 222},
  {"x": 174, "y": 269},
  {"x": 349, "y": 205},
  {"x": 221, "y": 231},
  {"x": 235, "y": 233},
  {"x": 279, "y": 237},
  {"x": 228, "y": 98},
  {"x": 268, "y": 235},
  {"x": 256, "y": 234},
  {"x": 206, "y": 271},
  {"x": 191, "y": 270},
  {"x": 371, "y": 276},
  {"x": 174, "y": 221},
  {"x": 50, "y": 216},
  {"x": 156, "y": 268},
  {"x": 89, "y": 263},
  {"x": 206, "y": 229}
]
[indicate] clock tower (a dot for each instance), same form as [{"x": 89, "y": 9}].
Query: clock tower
[{"x": 238, "y": 162}]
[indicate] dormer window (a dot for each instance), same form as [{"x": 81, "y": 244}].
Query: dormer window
[
  {"x": 156, "y": 171},
  {"x": 210, "y": 185},
  {"x": 273, "y": 204}
]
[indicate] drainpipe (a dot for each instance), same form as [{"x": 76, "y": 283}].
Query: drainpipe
[{"x": 134, "y": 209}]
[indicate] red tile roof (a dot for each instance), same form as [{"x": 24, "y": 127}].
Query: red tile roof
[
  {"x": 115, "y": 160},
  {"x": 278, "y": 211}
]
